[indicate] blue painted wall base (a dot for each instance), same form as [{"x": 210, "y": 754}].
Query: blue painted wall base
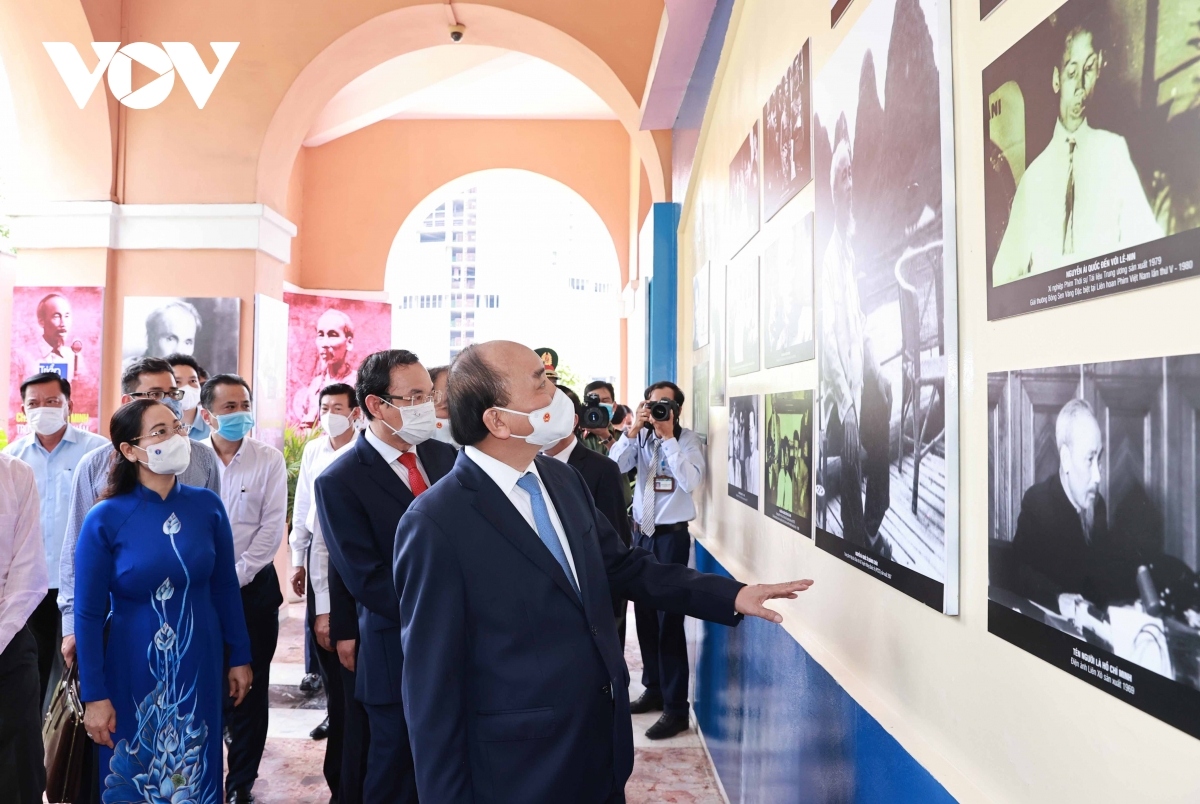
[{"x": 780, "y": 729}]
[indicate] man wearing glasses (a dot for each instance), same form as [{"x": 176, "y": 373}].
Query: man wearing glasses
[
  {"x": 53, "y": 449},
  {"x": 148, "y": 378},
  {"x": 254, "y": 490},
  {"x": 360, "y": 499}
]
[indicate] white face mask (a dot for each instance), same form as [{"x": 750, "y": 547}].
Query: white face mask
[
  {"x": 420, "y": 422},
  {"x": 551, "y": 424},
  {"x": 171, "y": 457},
  {"x": 442, "y": 433},
  {"x": 191, "y": 398},
  {"x": 334, "y": 424},
  {"x": 47, "y": 421}
]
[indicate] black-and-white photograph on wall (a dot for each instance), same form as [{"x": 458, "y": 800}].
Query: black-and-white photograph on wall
[
  {"x": 744, "y": 467},
  {"x": 886, "y": 493},
  {"x": 1092, "y": 181},
  {"x": 787, "y": 135},
  {"x": 205, "y": 328},
  {"x": 787, "y": 459},
  {"x": 987, "y": 7},
  {"x": 700, "y": 399},
  {"x": 742, "y": 330},
  {"x": 744, "y": 218},
  {"x": 787, "y": 291},
  {"x": 1094, "y": 526},
  {"x": 716, "y": 334},
  {"x": 700, "y": 308}
]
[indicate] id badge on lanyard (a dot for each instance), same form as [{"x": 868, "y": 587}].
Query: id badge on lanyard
[{"x": 663, "y": 484}]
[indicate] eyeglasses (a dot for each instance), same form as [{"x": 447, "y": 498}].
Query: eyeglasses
[
  {"x": 158, "y": 396},
  {"x": 163, "y": 431},
  {"x": 436, "y": 397}
]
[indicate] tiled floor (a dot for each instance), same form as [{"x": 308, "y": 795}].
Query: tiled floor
[{"x": 675, "y": 771}]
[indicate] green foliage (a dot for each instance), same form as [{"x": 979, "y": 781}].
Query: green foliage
[
  {"x": 568, "y": 377},
  {"x": 294, "y": 442}
]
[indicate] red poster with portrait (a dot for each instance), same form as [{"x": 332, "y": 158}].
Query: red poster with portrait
[
  {"x": 57, "y": 329},
  {"x": 328, "y": 338}
]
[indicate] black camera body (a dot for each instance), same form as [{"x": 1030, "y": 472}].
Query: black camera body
[
  {"x": 595, "y": 416},
  {"x": 661, "y": 410}
]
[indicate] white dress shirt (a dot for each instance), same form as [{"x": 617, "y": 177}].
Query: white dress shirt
[
  {"x": 392, "y": 456},
  {"x": 565, "y": 455},
  {"x": 1111, "y": 211},
  {"x": 23, "y": 579},
  {"x": 254, "y": 490},
  {"x": 680, "y": 458},
  {"x": 506, "y": 478},
  {"x": 306, "y": 540}
]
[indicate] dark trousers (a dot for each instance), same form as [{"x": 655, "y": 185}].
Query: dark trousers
[
  {"x": 22, "y": 757},
  {"x": 356, "y": 743},
  {"x": 335, "y": 704},
  {"x": 864, "y": 447},
  {"x": 46, "y": 626},
  {"x": 248, "y": 723},
  {"x": 664, "y": 647},
  {"x": 390, "y": 773}
]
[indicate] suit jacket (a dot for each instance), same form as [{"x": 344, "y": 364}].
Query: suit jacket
[
  {"x": 1052, "y": 556},
  {"x": 607, "y": 485},
  {"x": 343, "y": 611},
  {"x": 360, "y": 500},
  {"x": 515, "y": 688}
]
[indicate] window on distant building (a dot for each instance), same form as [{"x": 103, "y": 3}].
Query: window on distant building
[
  {"x": 491, "y": 301},
  {"x": 601, "y": 287},
  {"x": 470, "y": 235},
  {"x": 433, "y": 237},
  {"x": 458, "y": 237},
  {"x": 578, "y": 284},
  {"x": 437, "y": 218},
  {"x": 470, "y": 277},
  {"x": 455, "y": 319}
]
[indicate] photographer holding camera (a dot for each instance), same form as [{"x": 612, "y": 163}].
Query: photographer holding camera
[
  {"x": 670, "y": 466},
  {"x": 600, "y": 434}
]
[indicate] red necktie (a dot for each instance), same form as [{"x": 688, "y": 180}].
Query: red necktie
[{"x": 415, "y": 481}]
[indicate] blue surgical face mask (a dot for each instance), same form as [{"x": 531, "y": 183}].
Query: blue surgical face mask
[
  {"x": 235, "y": 426},
  {"x": 174, "y": 405},
  {"x": 608, "y": 408}
]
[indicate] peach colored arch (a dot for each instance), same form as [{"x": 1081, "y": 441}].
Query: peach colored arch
[
  {"x": 416, "y": 27},
  {"x": 66, "y": 152}
]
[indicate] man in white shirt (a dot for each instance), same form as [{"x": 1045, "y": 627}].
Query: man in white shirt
[
  {"x": 254, "y": 490},
  {"x": 310, "y": 558},
  {"x": 1082, "y": 196},
  {"x": 23, "y": 584},
  {"x": 53, "y": 450},
  {"x": 670, "y": 466}
]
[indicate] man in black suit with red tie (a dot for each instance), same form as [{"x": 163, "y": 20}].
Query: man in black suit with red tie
[
  {"x": 515, "y": 687},
  {"x": 360, "y": 499}
]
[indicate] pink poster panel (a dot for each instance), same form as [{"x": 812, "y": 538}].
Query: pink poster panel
[
  {"x": 327, "y": 339},
  {"x": 57, "y": 329}
]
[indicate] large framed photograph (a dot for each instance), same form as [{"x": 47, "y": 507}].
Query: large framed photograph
[
  {"x": 700, "y": 308},
  {"x": 1094, "y": 526},
  {"x": 744, "y": 463},
  {"x": 700, "y": 399},
  {"x": 787, "y": 290},
  {"x": 1092, "y": 181},
  {"x": 57, "y": 329},
  {"x": 744, "y": 218},
  {"x": 208, "y": 329},
  {"x": 270, "y": 369},
  {"x": 742, "y": 334},
  {"x": 328, "y": 337},
  {"x": 787, "y": 135},
  {"x": 716, "y": 331},
  {"x": 886, "y": 488},
  {"x": 787, "y": 459}
]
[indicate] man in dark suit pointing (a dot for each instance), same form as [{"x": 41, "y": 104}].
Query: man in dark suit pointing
[
  {"x": 360, "y": 499},
  {"x": 515, "y": 688}
]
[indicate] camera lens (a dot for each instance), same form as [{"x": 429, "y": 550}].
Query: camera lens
[{"x": 660, "y": 411}]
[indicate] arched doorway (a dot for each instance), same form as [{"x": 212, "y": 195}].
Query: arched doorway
[{"x": 507, "y": 254}]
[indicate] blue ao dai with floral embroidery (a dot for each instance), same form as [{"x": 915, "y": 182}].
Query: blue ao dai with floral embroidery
[{"x": 165, "y": 570}]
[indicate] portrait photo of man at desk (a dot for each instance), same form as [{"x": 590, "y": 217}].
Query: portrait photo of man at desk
[{"x": 1089, "y": 538}]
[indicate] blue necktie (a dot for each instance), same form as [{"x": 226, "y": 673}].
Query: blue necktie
[{"x": 545, "y": 528}]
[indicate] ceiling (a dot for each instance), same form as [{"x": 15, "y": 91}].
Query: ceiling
[{"x": 458, "y": 82}]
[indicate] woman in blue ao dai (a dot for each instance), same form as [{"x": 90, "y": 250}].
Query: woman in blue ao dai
[{"x": 159, "y": 556}]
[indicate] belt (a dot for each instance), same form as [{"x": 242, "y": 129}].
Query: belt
[{"x": 674, "y": 527}]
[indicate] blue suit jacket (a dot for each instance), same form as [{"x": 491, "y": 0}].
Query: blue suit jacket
[
  {"x": 515, "y": 688},
  {"x": 360, "y": 500}
]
